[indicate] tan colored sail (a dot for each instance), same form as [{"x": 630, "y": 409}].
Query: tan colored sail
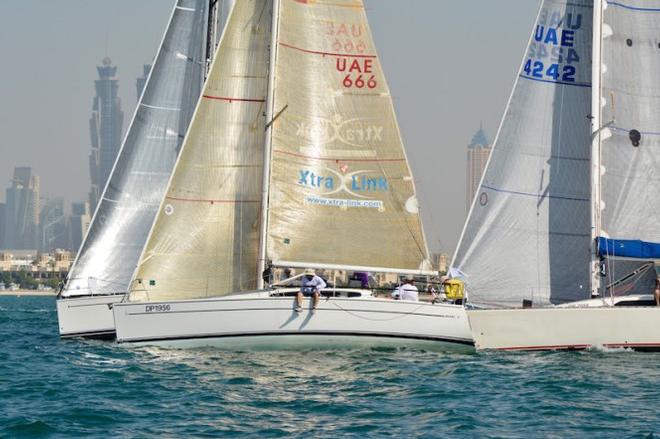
[
  {"x": 341, "y": 191},
  {"x": 205, "y": 238}
]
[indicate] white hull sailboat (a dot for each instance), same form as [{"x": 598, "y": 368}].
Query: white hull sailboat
[
  {"x": 321, "y": 182},
  {"x": 102, "y": 271},
  {"x": 585, "y": 325},
  {"x": 561, "y": 245},
  {"x": 268, "y": 319}
]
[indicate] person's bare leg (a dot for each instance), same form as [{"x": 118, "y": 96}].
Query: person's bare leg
[
  {"x": 299, "y": 300},
  {"x": 316, "y": 299},
  {"x": 657, "y": 298}
]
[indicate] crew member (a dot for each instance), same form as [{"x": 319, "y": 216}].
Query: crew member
[
  {"x": 407, "y": 291},
  {"x": 311, "y": 286}
]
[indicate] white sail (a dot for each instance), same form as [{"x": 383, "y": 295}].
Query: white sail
[
  {"x": 204, "y": 241},
  {"x": 528, "y": 232},
  {"x": 630, "y": 145},
  {"x": 108, "y": 256},
  {"x": 341, "y": 191}
]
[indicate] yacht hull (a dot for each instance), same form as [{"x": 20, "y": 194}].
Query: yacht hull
[
  {"x": 566, "y": 328},
  {"x": 271, "y": 322},
  {"x": 87, "y": 316}
]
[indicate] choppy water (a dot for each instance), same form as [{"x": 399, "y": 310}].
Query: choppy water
[{"x": 50, "y": 387}]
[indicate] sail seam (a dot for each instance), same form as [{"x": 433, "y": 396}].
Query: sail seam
[
  {"x": 316, "y": 52},
  {"x": 529, "y": 194},
  {"x": 574, "y": 84},
  {"x": 633, "y": 8},
  {"x": 230, "y": 100},
  {"x": 200, "y": 200},
  {"x": 331, "y": 159}
]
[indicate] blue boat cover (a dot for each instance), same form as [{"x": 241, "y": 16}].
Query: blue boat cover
[{"x": 628, "y": 248}]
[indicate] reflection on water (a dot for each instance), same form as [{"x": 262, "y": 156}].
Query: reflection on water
[{"x": 52, "y": 386}]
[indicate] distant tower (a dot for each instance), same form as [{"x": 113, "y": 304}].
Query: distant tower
[
  {"x": 477, "y": 157},
  {"x": 105, "y": 128},
  {"x": 54, "y": 232},
  {"x": 22, "y": 211},
  {"x": 78, "y": 224},
  {"x": 142, "y": 81}
]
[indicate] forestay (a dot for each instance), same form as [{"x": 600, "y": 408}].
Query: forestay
[
  {"x": 341, "y": 190},
  {"x": 630, "y": 146},
  {"x": 111, "y": 249},
  {"x": 528, "y": 233},
  {"x": 205, "y": 238}
]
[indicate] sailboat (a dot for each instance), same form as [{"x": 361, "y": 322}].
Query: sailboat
[
  {"x": 560, "y": 247},
  {"x": 104, "y": 265},
  {"x": 293, "y": 161}
]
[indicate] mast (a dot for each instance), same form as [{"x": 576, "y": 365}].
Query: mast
[
  {"x": 596, "y": 132},
  {"x": 265, "y": 189}
]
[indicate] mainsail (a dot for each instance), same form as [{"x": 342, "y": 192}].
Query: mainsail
[
  {"x": 205, "y": 238},
  {"x": 341, "y": 190},
  {"x": 111, "y": 249},
  {"x": 529, "y": 229},
  {"x": 630, "y": 141}
]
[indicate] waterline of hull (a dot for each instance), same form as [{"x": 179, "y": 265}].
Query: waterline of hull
[{"x": 283, "y": 342}]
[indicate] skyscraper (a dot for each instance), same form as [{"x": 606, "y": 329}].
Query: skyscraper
[
  {"x": 106, "y": 126},
  {"x": 477, "y": 156},
  {"x": 54, "y": 233},
  {"x": 142, "y": 81},
  {"x": 22, "y": 211},
  {"x": 78, "y": 224},
  {"x": 2, "y": 225}
]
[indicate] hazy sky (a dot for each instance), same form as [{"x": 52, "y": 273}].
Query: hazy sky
[{"x": 450, "y": 65}]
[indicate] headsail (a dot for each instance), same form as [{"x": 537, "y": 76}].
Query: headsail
[
  {"x": 205, "y": 238},
  {"x": 630, "y": 143},
  {"x": 341, "y": 190},
  {"x": 528, "y": 233},
  {"x": 107, "y": 258}
]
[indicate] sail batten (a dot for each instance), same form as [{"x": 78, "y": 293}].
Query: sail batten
[{"x": 112, "y": 246}]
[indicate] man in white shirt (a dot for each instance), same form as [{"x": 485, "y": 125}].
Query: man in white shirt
[
  {"x": 311, "y": 286},
  {"x": 407, "y": 291}
]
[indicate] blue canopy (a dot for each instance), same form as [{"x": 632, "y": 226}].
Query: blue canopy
[{"x": 628, "y": 248}]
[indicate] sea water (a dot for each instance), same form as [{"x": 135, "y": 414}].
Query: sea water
[{"x": 67, "y": 388}]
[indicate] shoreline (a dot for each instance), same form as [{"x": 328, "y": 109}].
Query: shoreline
[{"x": 27, "y": 293}]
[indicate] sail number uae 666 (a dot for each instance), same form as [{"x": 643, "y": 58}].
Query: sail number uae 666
[{"x": 358, "y": 71}]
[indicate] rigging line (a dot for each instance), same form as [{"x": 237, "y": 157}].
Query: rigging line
[{"x": 355, "y": 314}]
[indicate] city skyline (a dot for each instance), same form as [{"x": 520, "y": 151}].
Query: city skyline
[{"x": 430, "y": 63}]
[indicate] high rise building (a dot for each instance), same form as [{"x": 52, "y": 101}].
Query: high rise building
[
  {"x": 106, "y": 126},
  {"x": 477, "y": 156},
  {"x": 78, "y": 224},
  {"x": 22, "y": 211},
  {"x": 2, "y": 225},
  {"x": 142, "y": 81},
  {"x": 54, "y": 230}
]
